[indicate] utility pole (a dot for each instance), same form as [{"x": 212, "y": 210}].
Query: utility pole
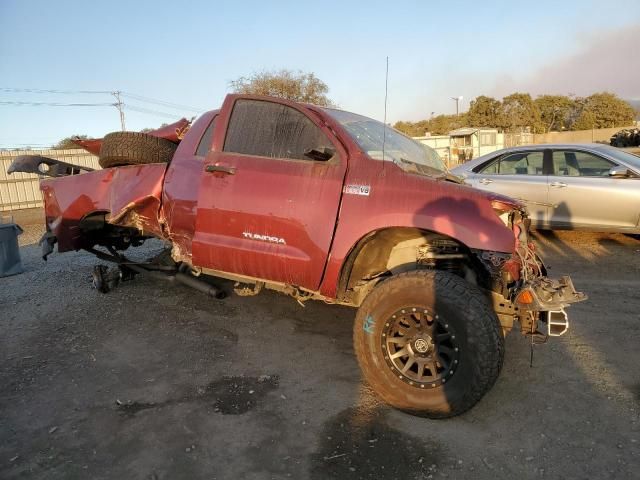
[
  {"x": 458, "y": 100},
  {"x": 120, "y": 106}
]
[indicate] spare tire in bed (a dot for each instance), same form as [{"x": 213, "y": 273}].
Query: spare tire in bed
[{"x": 134, "y": 148}]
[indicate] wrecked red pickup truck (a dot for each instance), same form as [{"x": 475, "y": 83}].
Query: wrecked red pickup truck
[{"x": 319, "y": 203}]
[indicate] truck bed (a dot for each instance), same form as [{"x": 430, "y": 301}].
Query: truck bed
[{"x": 128, "y": 196}]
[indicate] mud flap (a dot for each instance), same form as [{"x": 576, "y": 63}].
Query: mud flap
[{"x": 47, "y": 242}]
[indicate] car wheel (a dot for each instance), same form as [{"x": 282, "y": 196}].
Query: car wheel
[
  {"x": 428, "y": 343},
  {"x": 134, "y": 148}
]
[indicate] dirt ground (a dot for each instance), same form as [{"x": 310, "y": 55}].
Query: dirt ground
[{"x": 158, "y": 382}]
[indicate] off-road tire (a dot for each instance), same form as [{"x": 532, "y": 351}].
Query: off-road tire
[
  {"x": 477, "y": 331},
  {"x": 134, "y": 148}
]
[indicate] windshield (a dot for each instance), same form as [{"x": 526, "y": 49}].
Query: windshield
[{"x": 370, "y": 135}]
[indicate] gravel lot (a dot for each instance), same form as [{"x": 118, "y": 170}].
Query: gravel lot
[
  {"x": 152, "y": 381},
  {"x": 31, "y": 234}
]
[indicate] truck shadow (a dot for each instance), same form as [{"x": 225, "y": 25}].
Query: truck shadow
[{"x": 362, "y": 442}]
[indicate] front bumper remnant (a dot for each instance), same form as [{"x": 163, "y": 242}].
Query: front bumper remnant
[
  {"x": 545, "y": 294},
  {"x": 557, "y": 322}
]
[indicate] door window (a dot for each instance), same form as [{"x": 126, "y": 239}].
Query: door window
[
  {"x": 520, "y": 163},
  {"x": 573, "y": 163},
  {"x": 268, "y": 129}
]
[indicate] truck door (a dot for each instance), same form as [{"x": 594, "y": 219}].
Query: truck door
[{"x": 269, "y": 193}]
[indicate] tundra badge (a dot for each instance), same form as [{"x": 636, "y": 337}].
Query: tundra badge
[{"x": 264, "y": 238}]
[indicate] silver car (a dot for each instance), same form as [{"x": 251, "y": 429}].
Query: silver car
[{"x": 574, "y": 186}]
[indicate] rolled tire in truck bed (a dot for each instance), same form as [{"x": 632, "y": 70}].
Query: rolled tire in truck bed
[{"x": 134, "y": 148}]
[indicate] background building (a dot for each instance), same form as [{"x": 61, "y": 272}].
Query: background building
[{"x": 464, "y": 144}]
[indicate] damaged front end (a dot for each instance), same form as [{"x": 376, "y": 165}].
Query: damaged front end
[{"x": 521, "y": 290}]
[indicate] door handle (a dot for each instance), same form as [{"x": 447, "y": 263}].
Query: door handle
[
  {"x": 220, "y": 169},
  {"x": 485, "y": 181},
  {"x": 558, "y": 184}
]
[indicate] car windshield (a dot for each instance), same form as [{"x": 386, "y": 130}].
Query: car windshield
[
  {"x": 370, "y": 135},
  {"x": 623, "y": 156}
]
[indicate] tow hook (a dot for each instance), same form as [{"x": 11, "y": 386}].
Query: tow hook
[{"x": 557, "y": 322}]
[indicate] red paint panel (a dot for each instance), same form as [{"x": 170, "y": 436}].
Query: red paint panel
[
  {"x": 292, "y": 203},
  {"x": 92, "y": 145},
  {"x": 174, "y": 132},
  {"x": 295, "y": 201},
  {"x": 130, "y": 194},
  {"x": 180, "y": 191},
  {"x": 400, "y": 199}
]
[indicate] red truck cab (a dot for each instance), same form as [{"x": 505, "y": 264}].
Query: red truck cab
[{"x": 325, "y": 204}]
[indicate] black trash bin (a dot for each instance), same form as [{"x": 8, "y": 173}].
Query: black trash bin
[{"x": 10, "y": 263}]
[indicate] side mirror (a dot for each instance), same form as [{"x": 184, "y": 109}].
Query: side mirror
[
  {"x": 619, "y": 172},
  {"x": 321, "y": 153}
]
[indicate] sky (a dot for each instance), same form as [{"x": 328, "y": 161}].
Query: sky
[{"x": 187, "y": 53}]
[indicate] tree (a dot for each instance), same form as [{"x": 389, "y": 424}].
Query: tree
[
  {"x": 297, "y": 86},
  {"x": 555, "y": 111},
  {"x": 484, "y": 112},
  {"x": 585, "y": 121},
  {"x": 609, "y": 110},
  {"x": 440, "y": 125},
  {"x": 413, "y": 129},
  {"x": 519, "y": 113},
  {"x": 443, "y": 124},
  {"x": 67, "y": 142}
]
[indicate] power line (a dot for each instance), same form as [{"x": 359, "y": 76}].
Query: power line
[
  {"x": 150, "y": 112},
  {"x": 56, "y": 104},
  {"x": 103, "y": 92},
  {"x": 161, "y": 102},
  {"x": 120, "y": 105},
  {"x": 40, "y": 90}
]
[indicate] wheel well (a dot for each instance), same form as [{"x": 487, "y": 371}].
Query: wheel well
[
  {"x": 97, "y": 231},
  {"x": 391, "y": 251},
  {"x": 93, "y": 221}
]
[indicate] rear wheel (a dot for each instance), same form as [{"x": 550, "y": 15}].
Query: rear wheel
[{"x": 428, "y": 343}]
